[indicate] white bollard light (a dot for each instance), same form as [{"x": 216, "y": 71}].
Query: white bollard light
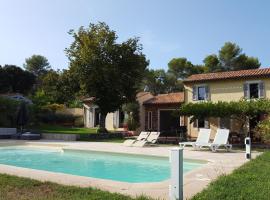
[
  {"x": 176, "y": 186},
  {"x": 248, "y": 147}
]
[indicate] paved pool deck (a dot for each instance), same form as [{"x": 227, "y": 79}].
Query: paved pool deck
[{"x": 194, "y": 181}]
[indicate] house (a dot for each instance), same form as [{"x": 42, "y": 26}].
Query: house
[
  {"x": 157, "y": 113},
  {"x": 161, "y": 112},
  {"x": 91, "y": 113},
  {"x": 225, "y": 86}
]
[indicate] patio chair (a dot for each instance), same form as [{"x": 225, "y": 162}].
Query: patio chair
[
  {"x": 203, "y": 137},
  {"x": 150, "y": 140},
  {"x": 221, "y": 139},
  {"x": 143, "y": 135}
]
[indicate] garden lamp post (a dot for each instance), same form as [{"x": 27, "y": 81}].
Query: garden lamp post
[{"x": 176, "y": 186}]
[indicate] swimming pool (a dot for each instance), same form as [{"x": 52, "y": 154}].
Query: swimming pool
[{"x": 113, "y": 166}]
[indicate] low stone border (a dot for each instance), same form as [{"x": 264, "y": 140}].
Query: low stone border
[
  {"x": 74, "y": 137},
  {"x": 100, "y": 136},
  {"x": 57, "y": 136}
]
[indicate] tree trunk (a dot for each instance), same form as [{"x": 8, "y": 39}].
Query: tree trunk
[{"x": 102, "y": 121}]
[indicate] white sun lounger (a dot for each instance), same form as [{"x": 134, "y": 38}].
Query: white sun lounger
[
  {"x": 221, "y": 139},
  {"x": 150, "y": 140},
  {"x": 203, "y": 137},
  {"x": 143, "y": 135}
]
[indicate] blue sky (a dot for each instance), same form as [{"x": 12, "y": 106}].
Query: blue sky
[{"x": 167, "y": 28}]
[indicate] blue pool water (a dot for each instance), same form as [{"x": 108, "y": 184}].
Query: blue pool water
[{"x": 118, "y": 167}]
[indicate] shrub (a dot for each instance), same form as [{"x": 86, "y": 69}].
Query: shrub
[
  {"x": 263, "y": 130},
  {"x": 102, "y": 130},
  {"x": 40, "y": 98},
  {"x": 133, "y": 119},
  {"x": 75, "y": 104},
  {"x": 53, "y": 107},
  {"x": 132, "y": 124},
  {"x": 79, "y": 122},
  {"x": 50, "y": 117},
  {"x": 8, "y": 112}
]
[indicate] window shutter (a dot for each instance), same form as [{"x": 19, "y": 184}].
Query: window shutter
[
  {"x": 206, "y": 123},
  {"x": 195, "y": 123},
  {"x": 194, "y": 93},
  {"x": 261, "y": 90},
  {"x": 246, "y": 90},
  {"x": 207, "y": 95}
]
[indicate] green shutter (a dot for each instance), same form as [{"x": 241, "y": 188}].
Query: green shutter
[
  {"x": 207, "y": 93},
  {"x": 194, "y": 93}
]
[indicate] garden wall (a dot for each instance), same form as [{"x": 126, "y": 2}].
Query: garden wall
[{"x": 55, "y": 136}]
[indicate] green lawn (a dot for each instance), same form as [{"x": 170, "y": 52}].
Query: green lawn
[
  {"x": 48, "y": 128},
  {"x": 15, "y": 188},
  {"x": 249, "y": 182}
]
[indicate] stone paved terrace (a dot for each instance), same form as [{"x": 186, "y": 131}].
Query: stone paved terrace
[{"x": 194, "y": 181}]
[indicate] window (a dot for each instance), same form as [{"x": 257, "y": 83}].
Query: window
[
  {"x": 121, "y": 119},
  {"x": 254, "y": 90},
  {"x": 149, "y": 120},
  {"x": 201, "y": 123},
  {"x": 200, "y": 93}
]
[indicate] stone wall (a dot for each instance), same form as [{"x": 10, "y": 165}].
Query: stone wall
[{"x": 55, "y": 136}]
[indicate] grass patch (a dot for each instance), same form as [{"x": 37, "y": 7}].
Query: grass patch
[
  {"x": 48, "y": 128},
  {"x": 249, "y": 182},
  {"x": 16, "y": 188},
  {"x": 84, "y": 133}
]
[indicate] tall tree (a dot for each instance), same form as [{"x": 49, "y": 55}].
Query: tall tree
[
  {"x": 182, "y": 68},
  {"x": 109, "y": 71},
  {"x": 4, "y": 81},
  {"x": 229, "y": 58},
  {"x": 16, "y": 79},
  {"x": 159, "y": 81},
  {"x": 37, "y": 64},
  {"x": 60, "y": 86},
  {"x": 49, "y": 86},
  {"x": 212, "y": 63}
]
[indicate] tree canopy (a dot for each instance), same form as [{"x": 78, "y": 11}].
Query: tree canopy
[
  {"x": 37, "y": 64},
  {"x": 159, "y": 81},
  {"x": 182, "y": 68},
  {"x": 109, "y": 71},
  {"x": 60, "y": 86},
  {"x": 15, "y": 79},
  {"x": 229, "y": 58}
]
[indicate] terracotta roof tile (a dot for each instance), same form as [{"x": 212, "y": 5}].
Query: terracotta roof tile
[
  {"x": 171, "y": 98},
  {"x": 88, "y": 100},
  {"x": 264, "y": 72}
]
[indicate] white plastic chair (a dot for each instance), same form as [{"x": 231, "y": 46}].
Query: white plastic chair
[
  {"x": 143, "y": 136},
  {"x": 203, "y": 137},
  {"x": 150, "y": 140},
  {"x": 221, "y": 139}
]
